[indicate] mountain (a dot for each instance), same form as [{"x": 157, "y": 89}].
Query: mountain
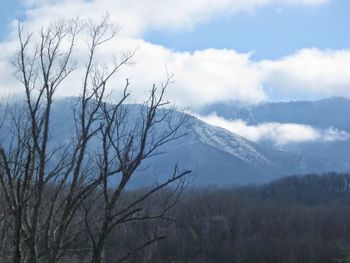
[
  {"x": 215, "y": 155},
  {"x": 332, "y": 112},
  {"x": 322, "y": 114},
  {"x": 218, "y": 156}
]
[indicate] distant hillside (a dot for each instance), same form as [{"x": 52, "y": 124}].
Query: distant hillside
[
  {"x": 333, "y": 112},
  {"x": 215, "y": 155},
  {"x": 322, "y": 114}
]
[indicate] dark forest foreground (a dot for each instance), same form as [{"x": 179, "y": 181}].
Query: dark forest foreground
[{"x": 296, "y": 219}]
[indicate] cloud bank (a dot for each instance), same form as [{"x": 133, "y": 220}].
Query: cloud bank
[
  {"x": 278, "y": 133},
  {"x": 309, "y": 72},
  {"x": 201, "y": 77},
  {"x": 213, "y": 75}
]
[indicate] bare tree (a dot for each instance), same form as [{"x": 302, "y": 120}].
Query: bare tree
[{"x": 55, "y": 194}]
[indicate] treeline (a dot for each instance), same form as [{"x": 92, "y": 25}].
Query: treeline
[{"x": 295, "y": 219}]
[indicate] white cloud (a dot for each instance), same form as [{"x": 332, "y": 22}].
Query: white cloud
[
  {"x": 213, "y": 75},
  {"x": 332, "y": 134},
  {"x": 8, "y": 83},
  {"x": 278, "y": 133},
  {"x": 140, "y": 15},
  {"x": 202, "y": 77},
  {"x": 309, "y": 72}
]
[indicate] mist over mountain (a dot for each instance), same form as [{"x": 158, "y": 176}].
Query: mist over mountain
[
  {"x": 220, "y": 157},
  {"x": 216, "y": 156},
  {"x": 332, "y": 113}
]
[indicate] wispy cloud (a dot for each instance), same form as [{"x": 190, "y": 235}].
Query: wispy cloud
[
  {"x": 139, "y": 16},
  {"x": 277, "y": 133}
]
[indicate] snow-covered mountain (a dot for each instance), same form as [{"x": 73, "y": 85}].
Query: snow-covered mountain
[
  {"x": 332, "y": 113},
  {"x": 220, "y": 157},
  {"x": 322, "y": 114},
  {"x": 215, "y": 155}
]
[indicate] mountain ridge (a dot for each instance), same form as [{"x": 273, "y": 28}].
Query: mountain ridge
[{"x": 216, "y": 156}]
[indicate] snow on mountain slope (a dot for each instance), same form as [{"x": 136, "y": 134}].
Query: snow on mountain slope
[
  {"x": 215, "y": 155},
  {"x": 229, "y": 142},
  {"x": 331, "y": 113},
  {"x": 218, "y": 156}
]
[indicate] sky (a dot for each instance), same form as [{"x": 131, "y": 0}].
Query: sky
[
  {"x": 270, "y": 32},
  {"x": 250, "y": 51},
  {"x": 226, "y": 50}
]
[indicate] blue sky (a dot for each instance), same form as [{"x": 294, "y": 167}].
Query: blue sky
[
  {"x": 9, "y": 10},
  {"x": 270, "y": 32},
  {"x": 228, "y": 50}
]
